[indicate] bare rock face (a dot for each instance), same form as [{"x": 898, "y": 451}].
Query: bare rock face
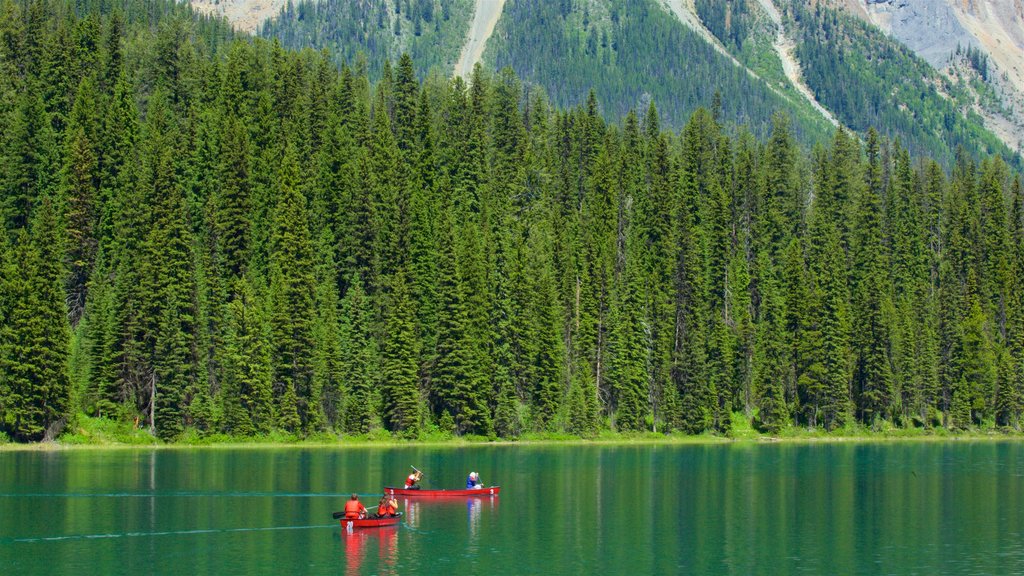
[
  {"x": 934, "y": 29},
  {"x": 928, "y": 27},
  {"x": 245, "y": 15}
]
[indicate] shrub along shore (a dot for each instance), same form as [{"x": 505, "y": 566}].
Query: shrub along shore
[{"x": 101, "y": 433}]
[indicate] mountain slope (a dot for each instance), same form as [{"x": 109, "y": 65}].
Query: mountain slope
[
  {"x": 865, "y": 78},
  {"x": 978, "y": 44},
  {"x": 812, "y": 61},
  {"x": 631, "y": 53},
  {"x": 431, "y": 31}
]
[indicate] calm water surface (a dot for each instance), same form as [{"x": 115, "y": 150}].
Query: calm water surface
[{"x": 909, "y": 508}]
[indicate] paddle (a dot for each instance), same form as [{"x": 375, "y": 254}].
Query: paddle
[{"x": 422, "y": 475}]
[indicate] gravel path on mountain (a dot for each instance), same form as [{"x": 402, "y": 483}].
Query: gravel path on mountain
[
  {"x": 784, "y": 48},
  {"x": 485, "y": 16}
]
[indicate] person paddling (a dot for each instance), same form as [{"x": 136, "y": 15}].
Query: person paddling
[
  {"x": 412, "y": 482},
  {"x": 354, "y": 509},
  {"x": 387, "y": 506},
  {"x": 473, "y": 481}
]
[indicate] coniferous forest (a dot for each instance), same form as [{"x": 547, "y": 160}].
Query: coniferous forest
[{"x": 214, "y": 235}]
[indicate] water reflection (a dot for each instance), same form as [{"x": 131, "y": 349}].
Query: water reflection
[
  {"x": 950, "y": 508},
  {"x": 360, "y": 545},
  {"x": 473, "y": 516},
  {"x": 412, "y": 512}
]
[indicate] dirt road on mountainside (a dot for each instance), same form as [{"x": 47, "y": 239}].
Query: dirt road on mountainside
[{"x": 485, "y": 17}]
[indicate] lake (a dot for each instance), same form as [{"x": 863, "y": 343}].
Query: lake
[{"x": 951, "y": 507}]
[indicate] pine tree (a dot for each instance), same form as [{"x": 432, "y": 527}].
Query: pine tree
[
  {"x": 246, "y": 390},
  {"x": 872, "y": 376},
  {"x": 167, "y": 287},
  {"x": 399, "y": 388},
  {"x": 770, "y": 355},
  {"x": 293, "y": 319},
  {"x": 359, "y": 348},
  {"x": 327, "y": 361}
]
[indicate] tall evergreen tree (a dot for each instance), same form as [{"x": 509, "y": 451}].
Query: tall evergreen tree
[
  {"x": 359, "y": 348},
  {"x": 400, "y": 393},
  {"x": 872, "y": 376},
  {"x": 246, "y": 391},
  {"x": 35, "y": 389},
  {"x": 166, "y": 282},
  {"x": 293, "y": 287}
]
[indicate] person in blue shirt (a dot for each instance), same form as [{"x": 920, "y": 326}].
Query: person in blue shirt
[{"x": 473, "y": 481}]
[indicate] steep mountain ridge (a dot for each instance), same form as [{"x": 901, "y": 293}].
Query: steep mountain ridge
[
  {"x": 941, "y": 30},
  {"x": 820, "y": 66}
]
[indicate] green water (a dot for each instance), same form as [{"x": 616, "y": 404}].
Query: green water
[{"x": 905, "y": 508}]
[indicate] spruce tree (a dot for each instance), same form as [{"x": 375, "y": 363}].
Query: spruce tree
[
  {"x": 246, "y": 390},
  {"x": 399, "y": 389},
  {"x": 770, "y": 355},
  {"x": 546, "y": 349},
  {"x": 35, "y": 388},
  {"x": 327, "y": 361},
  {"x": 360, "y": 354},
  {"x": 293, "y": 287},
  {"x": 29, "y": 158},
  {"x": 166, "y": 289},
  {"x": 80, "y": 194},
  {"x": 628, "y": 365},
  {"x": 872, "y": 376}
]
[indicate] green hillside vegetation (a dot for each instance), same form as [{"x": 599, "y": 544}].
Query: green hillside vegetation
[
  {"x": 231, "y": 238},
  {"x": 631, "y": 53},
  {"x": 868, "y": 79},
  {"x": 431, "y": 31},
  {"x": 628, "y": 52}
]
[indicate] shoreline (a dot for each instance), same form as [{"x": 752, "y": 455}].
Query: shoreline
[{"x": 701, "y": 440}]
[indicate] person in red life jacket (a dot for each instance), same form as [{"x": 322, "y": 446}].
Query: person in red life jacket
[
  {"x": 387, "y": 507},
  {"x": 354, "y": 509},
  {"x": 411, "y": 483}
]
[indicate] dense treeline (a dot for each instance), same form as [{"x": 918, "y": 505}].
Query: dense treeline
[
  {"x": 627, "y": 52},
  {"x": 247, "y": 239}
]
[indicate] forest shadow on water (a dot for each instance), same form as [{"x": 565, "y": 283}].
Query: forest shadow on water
[{"x": 857, "y": 508}]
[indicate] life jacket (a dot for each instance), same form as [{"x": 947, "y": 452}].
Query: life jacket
[
  {"x": 410, "y": 481},
  {"x": 353, "y": 508},
  {"x": 386, "y": 510}
]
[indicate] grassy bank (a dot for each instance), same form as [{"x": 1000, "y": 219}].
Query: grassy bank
[{"x": 91, "y": 433}]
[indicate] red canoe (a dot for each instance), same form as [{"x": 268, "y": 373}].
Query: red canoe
[
  {"x": 370, "y": 522},
  {"x": 489, "y": 491}
]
